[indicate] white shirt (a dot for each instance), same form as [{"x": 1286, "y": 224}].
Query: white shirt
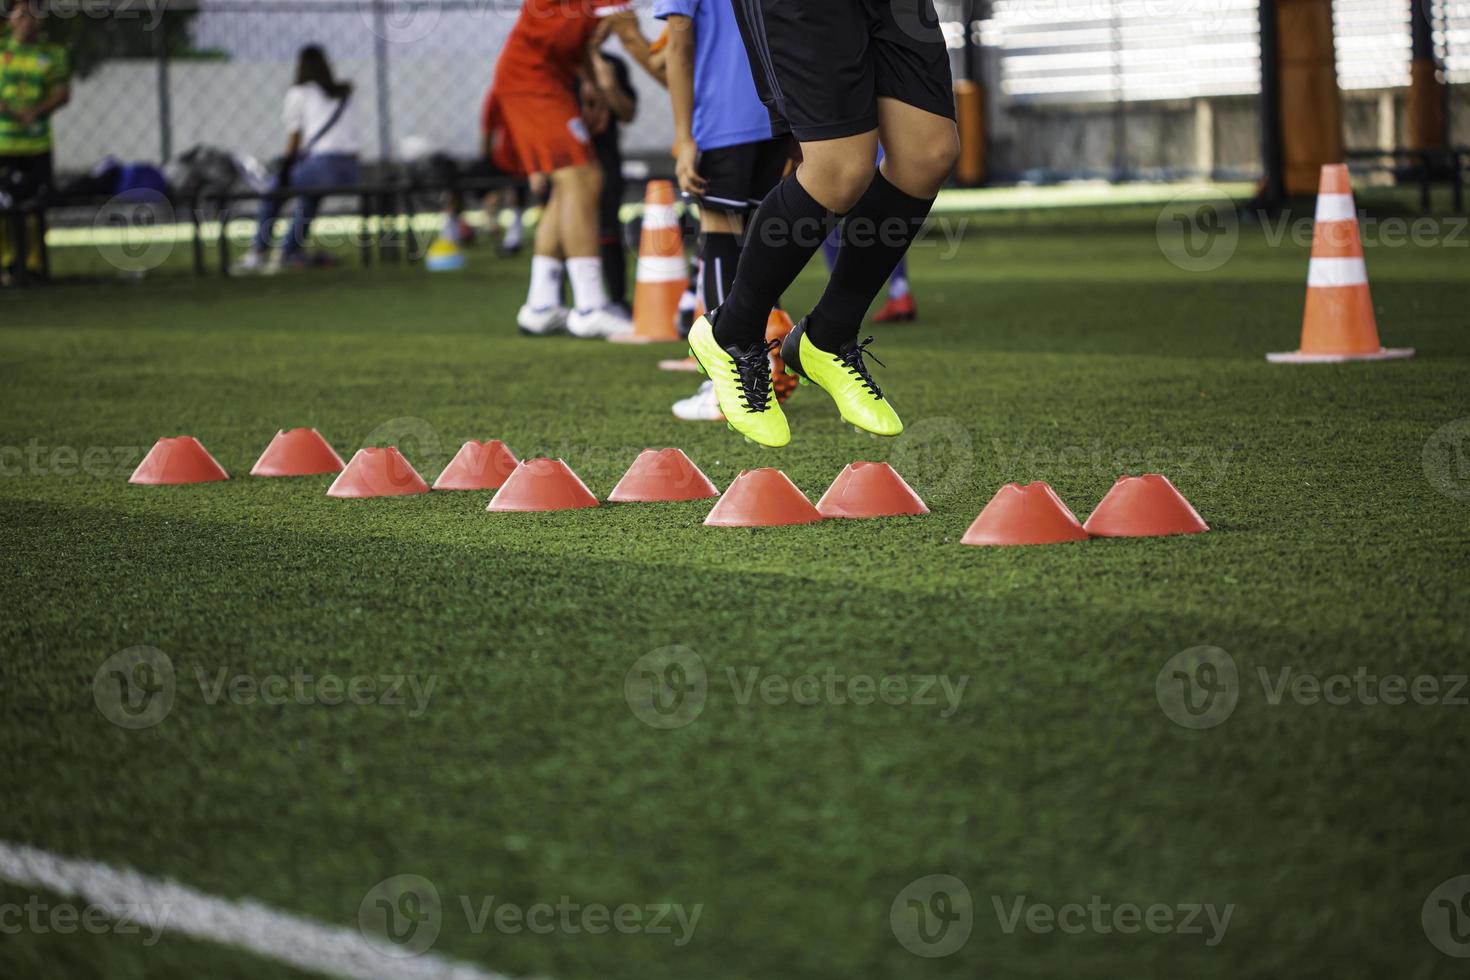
[{"x": 307, "y": 110}]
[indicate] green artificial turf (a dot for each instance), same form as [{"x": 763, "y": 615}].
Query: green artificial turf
[{"x": 1066, "y": 354}]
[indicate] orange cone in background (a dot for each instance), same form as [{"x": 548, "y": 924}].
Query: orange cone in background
[
  {"x": 662, "y": 474},
  {"x": 478, "y": 466},
  {"x": 1143, "y": 506},
  {"x": 542, "y": 484},
  {"x": 297, "y": 452},
  {"x": 778, "y": 325},
  {"x": 663, "y": 275},
  {"x": 762, "y": 498},
  {"x": 178, "y": 459},
  {"x": 869, "y": 490},
  {"x": 1029, "y": 514},
  {"x": 1338, "y": 324},
  {"x": 378, "y": 471}
]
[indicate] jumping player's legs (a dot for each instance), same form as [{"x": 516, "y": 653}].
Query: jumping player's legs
[
  {"x": 922, "y": 149},
  {"x": 838, "y": 72}
]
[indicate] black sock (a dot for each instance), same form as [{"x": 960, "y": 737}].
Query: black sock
[
  {"x": 614, "y": 270},
  {"x": 784, "y": 232},
  {"x": 720, "y": 252},
  {"x": 875, "y": 235}
]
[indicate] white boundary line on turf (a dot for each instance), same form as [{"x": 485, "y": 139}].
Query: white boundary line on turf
[{"x": 163, "y": 906}]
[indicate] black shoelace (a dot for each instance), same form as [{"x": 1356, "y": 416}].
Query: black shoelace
[
  {"x": 753, "y": 371},
  {"x": 852, "y": 356}
]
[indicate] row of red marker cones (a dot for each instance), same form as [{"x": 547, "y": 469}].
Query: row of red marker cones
[
  {"x": 762, "y": 497},
  {"x": 1018, "y": 515}
]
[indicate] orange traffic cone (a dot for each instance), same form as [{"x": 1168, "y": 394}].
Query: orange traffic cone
[
  {"x": 662, "y": 474},
  {"x": 298, "y": 452},
  {"x": 378, "y": 471},
  {"x": 1144, "y": 506},
  {"x": 478, "y": 466},
  {"x": 869, "y": 490},
  {"x": 178, "y": 459},
  {"x": 663, "y": 274},
  {"x": 762, "y": 498},
  {"x": 1030, "y": 514},
  {"x": 1338, "y": 324},
  {"x": 542, "y": 484}
]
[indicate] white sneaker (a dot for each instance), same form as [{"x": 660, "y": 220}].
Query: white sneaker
[
  {"x": 251, "y": 261},
  {"x": 539, "y": 322},
  {"x": 702, "y": 406},
  {"x": 607, "y": 322}
]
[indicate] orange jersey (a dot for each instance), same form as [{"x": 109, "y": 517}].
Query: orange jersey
[{"x": 544, "y": 51}]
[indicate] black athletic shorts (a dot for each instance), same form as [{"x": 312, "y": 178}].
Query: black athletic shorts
[
  {"x": 25, "y": 177},
  {"x": 820, "y": 65},
  {"x": 743, "y": 173}
]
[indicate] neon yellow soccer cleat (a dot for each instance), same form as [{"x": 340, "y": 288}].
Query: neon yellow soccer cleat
[
  {"x": 742, "y": 384},
  {"x": 845, "y": 377}
]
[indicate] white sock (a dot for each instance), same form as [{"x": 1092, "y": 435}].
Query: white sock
[
  {"x": 512, "y": 236},
  {"x": 545, "y": 282},
  {"x": 898, "y": 286},
  {"x": 588, "y": 292}
]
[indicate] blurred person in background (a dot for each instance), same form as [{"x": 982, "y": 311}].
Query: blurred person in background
[
  {"x": 34, "y": 83},
  {"x": 321, "y": 150},
  {"x": 532, "y": 123},
  {"x": 724, "y": 153},
  {"x": 608, "y": 100}
]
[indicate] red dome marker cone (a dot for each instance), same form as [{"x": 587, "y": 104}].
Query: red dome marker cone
[
  {"x": 762, "y": 498},
  {"x": 869, "y": 490},
  {"x": 378, "y": 472},
  {"x": 478, "y": 466},
  {"x": 1144, "y": 506},
  {"x": 1029, "y": 514},
  {"x": 542, "y": 484},
  {"x": 178, "y": 459},
  {"x": 297, "y": 452},
  {"x": 662, "y": 474}
]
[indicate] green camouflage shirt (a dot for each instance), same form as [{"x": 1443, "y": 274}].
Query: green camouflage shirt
[{"x": 29, "y": 73}]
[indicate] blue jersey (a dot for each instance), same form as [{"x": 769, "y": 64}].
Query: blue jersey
[{"x": 727, "y": 110}]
